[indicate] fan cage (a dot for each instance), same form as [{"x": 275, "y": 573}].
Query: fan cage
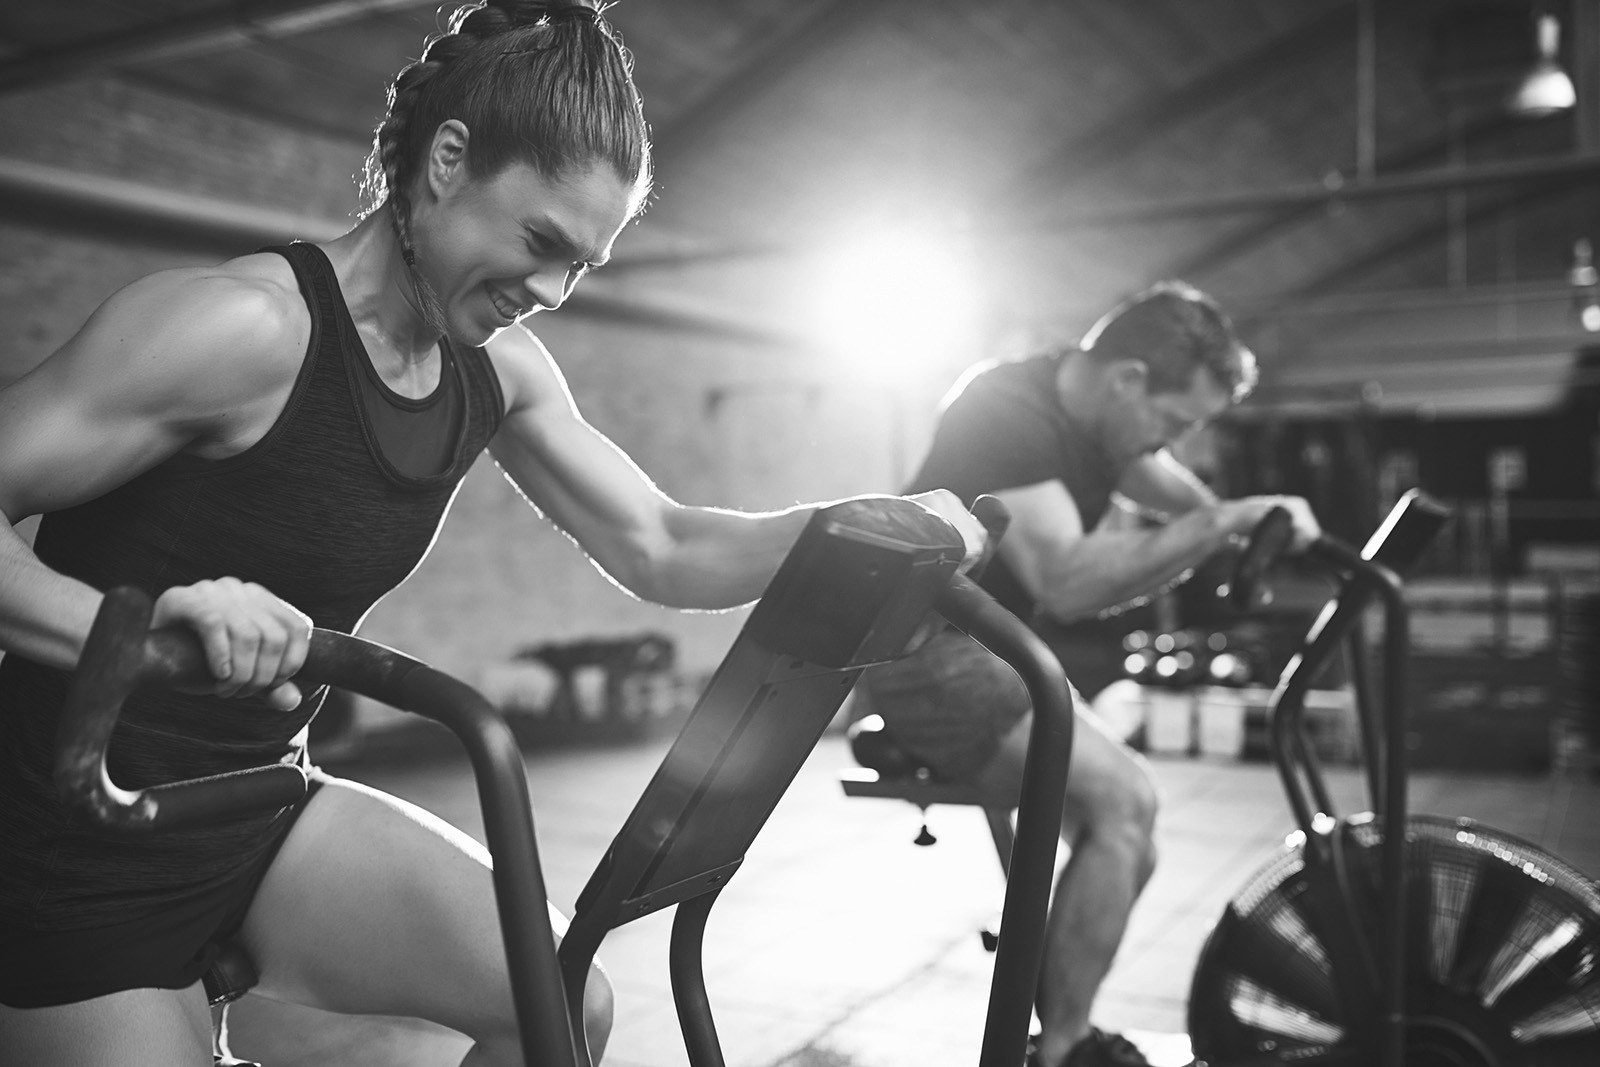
[{"x": 1503, "y": 944}]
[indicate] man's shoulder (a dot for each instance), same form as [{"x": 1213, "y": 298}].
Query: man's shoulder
[
  {"x": 1022, "y": 390},
  {"x": 1011, "y": 373}
]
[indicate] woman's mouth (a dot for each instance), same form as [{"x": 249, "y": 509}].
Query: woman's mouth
[{"x": 508, "y": 309}]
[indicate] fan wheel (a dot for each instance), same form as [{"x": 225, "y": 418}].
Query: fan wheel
[{"x": 1502, "y": 961}]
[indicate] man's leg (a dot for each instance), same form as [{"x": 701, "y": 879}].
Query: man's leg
[{"x": 1108, "y": 822}]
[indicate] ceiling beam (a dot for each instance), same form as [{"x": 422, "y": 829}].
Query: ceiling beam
[
  {"x": 787, "y": 49},
  {"x": 229, "y": 25},
  {"x": 1130, "y": 129},
  {"x": 28, "y": 189},
  {"x": 1398, "y": 245},
  {"x": 1338, "y": 190},
  {"x": 1116, "y": 137},
  {"x": 1240, "y": 242}
]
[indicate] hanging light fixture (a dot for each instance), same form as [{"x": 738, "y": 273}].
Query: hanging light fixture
[{"x": 1546, "y": 89}]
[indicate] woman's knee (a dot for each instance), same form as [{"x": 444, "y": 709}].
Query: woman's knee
[{"x": 599, "y": 1009}]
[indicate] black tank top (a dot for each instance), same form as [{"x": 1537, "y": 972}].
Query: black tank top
[{"x": 317, "y": 513}]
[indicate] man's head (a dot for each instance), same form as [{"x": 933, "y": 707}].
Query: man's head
[{"x": 1169, "y": 360}]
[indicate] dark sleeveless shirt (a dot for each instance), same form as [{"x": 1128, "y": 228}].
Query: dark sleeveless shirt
[
  {"x": 315, "y": 512},
  {"x": 1003, "y": 427}
]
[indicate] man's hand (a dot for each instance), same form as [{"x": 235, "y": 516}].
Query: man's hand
[
  {"x": 254, "y": 642},
  {"x": 1250, "y": 510}
]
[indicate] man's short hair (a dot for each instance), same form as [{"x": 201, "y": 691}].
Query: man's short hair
[{"x": 1174, "y": 328}]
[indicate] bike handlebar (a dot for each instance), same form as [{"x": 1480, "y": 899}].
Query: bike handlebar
[
  {"x": 121, "y": 655},
  {"x": 1020, "y": 954}
]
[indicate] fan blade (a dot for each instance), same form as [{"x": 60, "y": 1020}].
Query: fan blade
[
  {"x": 1558, "y": 961},
  {"x": 1497, "y": 905},
  {"x": 1274, "y": 949}
]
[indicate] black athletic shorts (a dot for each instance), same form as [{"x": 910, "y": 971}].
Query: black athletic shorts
[{"x": 170, "y": 949}]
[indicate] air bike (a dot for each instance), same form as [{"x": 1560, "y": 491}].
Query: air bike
[
  {"x": 1390, "y": 939},
  {"x": 861, "y": 579},
  {"x": 1382, "y": 939}
]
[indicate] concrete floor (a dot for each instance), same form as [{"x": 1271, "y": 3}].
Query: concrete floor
[{"x": 840, "y": 943}]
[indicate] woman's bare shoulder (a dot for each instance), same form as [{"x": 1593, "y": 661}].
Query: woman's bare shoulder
[{"x": 244, "y": 317}]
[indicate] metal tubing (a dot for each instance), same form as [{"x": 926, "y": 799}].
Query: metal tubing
[
  {"x": 574, "y": 956},
  {"x": 689, "y": 980},
  {"x": 122, "y": 655},
  {"x": 1368, "y": 718},
  {"x": 1371, "y": 576},
  {"x": 549, "y": 1030},
  {"x": 1396, "y": 643},
  {"x": 1020, "y": 953},
  {"x": 1311, "y": 767}
]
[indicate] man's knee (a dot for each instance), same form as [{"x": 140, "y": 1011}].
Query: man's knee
[{"x": 1122, "y": 803}]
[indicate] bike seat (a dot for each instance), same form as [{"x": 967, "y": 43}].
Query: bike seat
[
  {"x": 875, "y": 748},
  {"x": 231, "y": 976}
]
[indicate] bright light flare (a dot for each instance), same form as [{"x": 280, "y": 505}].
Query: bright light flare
[{"x": 896, "y": 297}]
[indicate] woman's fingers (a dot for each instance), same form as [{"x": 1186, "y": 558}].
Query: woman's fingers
[{"x": 254, "y": 642}]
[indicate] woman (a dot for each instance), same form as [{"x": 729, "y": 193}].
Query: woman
[{"x": 270, "y": 444}]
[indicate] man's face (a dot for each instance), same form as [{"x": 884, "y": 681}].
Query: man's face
[{"x": 1147, "y": 422}]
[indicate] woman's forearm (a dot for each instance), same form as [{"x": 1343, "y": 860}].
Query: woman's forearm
[{"x": 44, "y": 616}]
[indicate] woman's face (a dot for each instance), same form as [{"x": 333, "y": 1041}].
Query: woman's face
[{"x": 499, "y": 248}]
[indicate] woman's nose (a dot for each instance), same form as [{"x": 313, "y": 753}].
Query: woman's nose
[{"x": 547, "y": 287}]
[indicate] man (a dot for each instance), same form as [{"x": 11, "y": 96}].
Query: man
[{"x": 1060, "y": 437}]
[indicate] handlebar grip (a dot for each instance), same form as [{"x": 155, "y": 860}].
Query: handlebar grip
[
  {"x": 1271, "y": 538},
  {"x": 122, "y": 655},
  {"x": 992, "y": 512},
  {"x": 119, "y": 656}
]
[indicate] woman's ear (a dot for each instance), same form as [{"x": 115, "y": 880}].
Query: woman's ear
[{"x": 447, "y": 157}]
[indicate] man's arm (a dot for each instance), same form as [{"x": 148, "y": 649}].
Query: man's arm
[
  {"x": 1073, "y": 573},
  {"x": 652, "y": 546},
  {"x": 1159, "y": 487}
]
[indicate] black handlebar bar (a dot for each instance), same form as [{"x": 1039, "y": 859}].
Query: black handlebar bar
[
  {"x": 122, "y": 655},
  {"x": 1020, "y": 953}
]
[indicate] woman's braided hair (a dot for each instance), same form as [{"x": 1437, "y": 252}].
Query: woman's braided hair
[{"x": 544, "y": 83}]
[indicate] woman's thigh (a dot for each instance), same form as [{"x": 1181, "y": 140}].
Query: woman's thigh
[
  {"x": 135, "y": 1028},
  {"x": 376, "y": 907}
]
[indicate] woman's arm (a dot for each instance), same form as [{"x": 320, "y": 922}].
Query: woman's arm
[
  {"x": 652, "y": 546},
  {"x": 179, "y": 360}
]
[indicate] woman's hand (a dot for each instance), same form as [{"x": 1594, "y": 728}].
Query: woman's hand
[
  {"x": 949, "y": 506},
  {"x": 254, "y": 642}
]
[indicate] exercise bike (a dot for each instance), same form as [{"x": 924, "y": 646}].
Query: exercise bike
[
  {"x": 852, "y": 592},
  {"x": 1389, "y": 938}
]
